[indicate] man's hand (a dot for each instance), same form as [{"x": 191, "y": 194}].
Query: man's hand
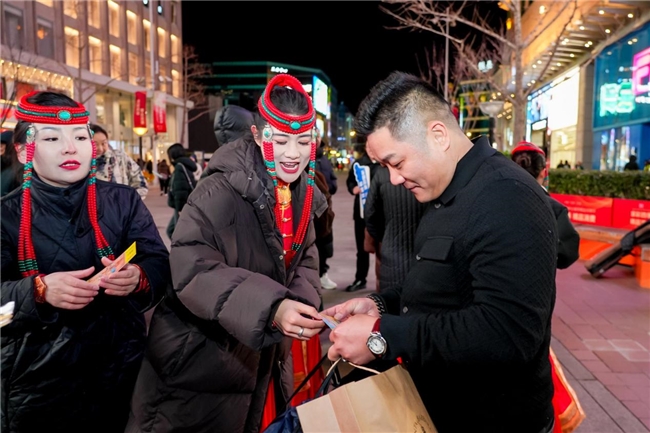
[
  {"x": 290, "y": 319},
  {"x": 354, "y": 306},
  {"x": 356, "y": 190},
  {"x": 122, "y": 282},
  {"x": 68, "y": 290},
  {"x": 350, "y": 338}
]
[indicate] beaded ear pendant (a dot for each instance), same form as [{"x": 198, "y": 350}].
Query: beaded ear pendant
[{"x": 267, "y": 133}]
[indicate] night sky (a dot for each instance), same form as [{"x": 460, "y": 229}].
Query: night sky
[{"x": 346, "y": 40}]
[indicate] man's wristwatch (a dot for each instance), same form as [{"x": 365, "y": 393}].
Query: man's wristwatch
[
  {"x": 376, "y": 343},
  {"x": 39, "y": 289}
]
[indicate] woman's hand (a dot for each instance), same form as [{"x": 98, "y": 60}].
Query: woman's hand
[
  {"x": 120, "y": 283},
  {"x": 290, "y": 319},
  {"x": 68, "y": 290},
  {"x": 353, "y": 307}
]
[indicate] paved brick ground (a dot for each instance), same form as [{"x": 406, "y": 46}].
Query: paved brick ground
[{"x": 601, "y": 328}]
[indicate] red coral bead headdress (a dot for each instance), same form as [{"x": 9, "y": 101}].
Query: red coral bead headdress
[
  {"x": 291, "y": 124},
  {"x": 29, "y": 112}
]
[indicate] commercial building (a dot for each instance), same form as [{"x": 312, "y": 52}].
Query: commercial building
[
  {"x": 100, "y": 53},
  {"x": 242, "y": 82},
  {"x": 570, "y": 113},
  {"x": 622, "y": 102}
]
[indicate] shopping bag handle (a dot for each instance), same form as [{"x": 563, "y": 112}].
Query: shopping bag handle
[
  {"x": 333, "y": 370},
  {"x": 305, "y": 380}
]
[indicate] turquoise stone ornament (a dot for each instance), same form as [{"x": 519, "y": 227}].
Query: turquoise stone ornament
[
  {"x": 64, "y": 115},
  {"x": 267, "y": 133},
  {"x": 295, "y": 125}
]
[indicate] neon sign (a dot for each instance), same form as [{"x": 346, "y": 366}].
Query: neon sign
[
  {"x": 641, "y": 77},
  {"x": 279, "y": 70}
]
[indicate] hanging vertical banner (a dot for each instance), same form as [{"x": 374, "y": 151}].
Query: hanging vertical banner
[
  {"x": 159, "y": 112},
  {"x": 140, "y": 111}
]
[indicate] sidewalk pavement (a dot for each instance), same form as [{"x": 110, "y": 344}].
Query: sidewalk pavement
[{"x": 601, "y": 327}]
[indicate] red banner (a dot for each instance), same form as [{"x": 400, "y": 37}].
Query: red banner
[
  {"x": 140, "y": 112},
  {"x": 159, "y": 112},
  {"x": 595, "y": 211},
  {"x": 629, "y": 214}
]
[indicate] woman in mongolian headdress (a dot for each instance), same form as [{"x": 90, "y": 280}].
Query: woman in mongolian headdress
[
  {"x": 245, "y": 277},
  {"x": 71, "y": 355}
]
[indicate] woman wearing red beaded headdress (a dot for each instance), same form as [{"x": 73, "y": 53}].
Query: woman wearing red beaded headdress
[
  {"x": 245, "y": 277},
  {"x": 71, "y": 354}
]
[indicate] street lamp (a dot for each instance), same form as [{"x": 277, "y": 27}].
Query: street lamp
[
  {"x": 140, "y": 132},
  {"x": 491, "y": 108}
]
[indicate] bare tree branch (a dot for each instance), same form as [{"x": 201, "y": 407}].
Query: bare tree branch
[
  {"x": 193, "y": 90},
  {"x": 423, "y": 15}
]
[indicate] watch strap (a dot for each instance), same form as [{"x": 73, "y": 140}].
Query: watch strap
[
  {"x": 39, "y": 289},
  {"x": 379, "y": 302}
]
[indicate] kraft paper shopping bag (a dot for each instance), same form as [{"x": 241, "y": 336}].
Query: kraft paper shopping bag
[{"x": 385, "y": 402}]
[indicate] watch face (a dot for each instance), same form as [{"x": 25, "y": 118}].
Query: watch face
[{"x": 377, "y": 345}]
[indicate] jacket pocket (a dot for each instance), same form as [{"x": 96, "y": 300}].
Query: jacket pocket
[
  {"x": 436, "y": 248},
  {"x": 433, "y": 273}
]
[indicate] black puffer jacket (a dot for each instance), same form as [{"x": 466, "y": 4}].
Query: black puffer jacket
[
  {"x": 231, "y": 123},
  {"x": 182, "y": 183},
  {"x": 74, "y": 370},
  {"x": 211, "y": 349},
  {"x": 392, "y": 215}
]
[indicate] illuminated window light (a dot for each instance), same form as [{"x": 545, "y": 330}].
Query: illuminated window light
[
  {"x": 582, "y": 27},
  {"x": 602, "y": 12},
  {"x": 608, "y": 31},
  {"x": 572, "y": 55},
  {"x": 630, "y": 15}
]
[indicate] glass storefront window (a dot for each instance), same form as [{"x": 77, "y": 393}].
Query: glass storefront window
[
  {"x": 133, "y": 68},
  {"x": 44, "y": 38},
  {"x": 132, "y": 27},
  {"x": 622, "y": 81},
  {"x": 14, "y": 35},
  {"x": 72, "y": 47},
  {"x": 94, "y": 13},
  {"x": 146, "y": 31},
  {"x": 615, "y": 148},
  {"x": 114, "y": 18},
  {"x": 162, "y": 42},
  {"x": 116, "y": 61},
  {"x": 70, "y": 8}
]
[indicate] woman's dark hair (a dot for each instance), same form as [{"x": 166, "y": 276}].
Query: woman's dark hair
[
  {"x": 176, "y": 151},
  {"x": 10, "y": 157},
  {"x": 530, "y": 161},
  {"x": 288, "y": 101},
  {"x": 98, "y": 129},
  {"x": 45, "y": 99}
]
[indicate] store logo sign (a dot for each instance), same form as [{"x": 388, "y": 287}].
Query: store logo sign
[
  {"x": 279, "y": 69},
  {"x": 641, "y": 76},
  {"x": 616, "y": 98}
]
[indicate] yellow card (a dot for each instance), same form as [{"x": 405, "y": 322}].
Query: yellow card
[{"x": 118, "y": 264}]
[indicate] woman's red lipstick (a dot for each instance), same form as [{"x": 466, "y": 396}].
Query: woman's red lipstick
[{"x": 70, "y": 164}]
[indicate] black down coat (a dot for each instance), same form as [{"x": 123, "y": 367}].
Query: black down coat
[
  {"x": 211, "y": 348},
  {"x": 74, "y": 370}
]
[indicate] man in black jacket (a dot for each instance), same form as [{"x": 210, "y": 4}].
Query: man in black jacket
[{"x": 472, "y": 321}]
